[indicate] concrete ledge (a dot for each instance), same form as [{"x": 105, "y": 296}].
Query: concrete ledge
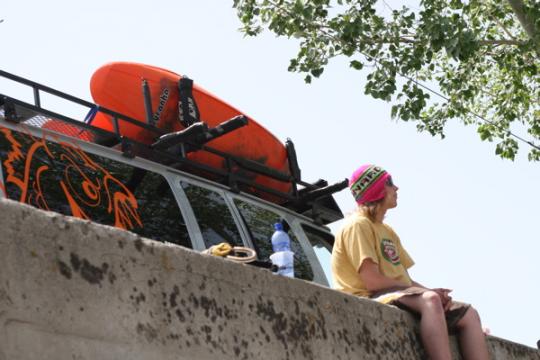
[{"x": 71, "y": 289}]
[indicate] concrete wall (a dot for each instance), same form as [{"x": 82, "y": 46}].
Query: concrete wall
[{"x": 70, "y": 289}]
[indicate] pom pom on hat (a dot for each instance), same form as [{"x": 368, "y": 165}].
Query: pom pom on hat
[{"x": 367, "y": 183}]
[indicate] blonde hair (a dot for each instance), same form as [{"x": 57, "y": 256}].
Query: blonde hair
[{"x": 370, "y": 209}]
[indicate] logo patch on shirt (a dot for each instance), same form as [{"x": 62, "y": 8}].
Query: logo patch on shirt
[{"x": 389, "y": 251}]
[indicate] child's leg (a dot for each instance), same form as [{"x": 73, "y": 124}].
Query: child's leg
[
  {"x": 471, "y": 336},
  {"x": 432, "y": 323}
]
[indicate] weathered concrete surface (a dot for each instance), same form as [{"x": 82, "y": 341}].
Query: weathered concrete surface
[{"x": 70, "y": 289}]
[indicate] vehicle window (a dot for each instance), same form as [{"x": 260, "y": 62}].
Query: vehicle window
[
  {"x": 260, "y": 223},
  {"x": 159, "y": 209},
  {"x": 61, "y": 177},
  {"x": 320, "y": 241},
  {"x": 213, "y": 215}
]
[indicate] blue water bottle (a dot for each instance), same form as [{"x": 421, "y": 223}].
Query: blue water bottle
[
  {"x": 282, "y": 257},
  {"x": 280, "y": 239}
]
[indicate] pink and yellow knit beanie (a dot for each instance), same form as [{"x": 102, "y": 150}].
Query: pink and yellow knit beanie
[{"x": 367, "y": 183}]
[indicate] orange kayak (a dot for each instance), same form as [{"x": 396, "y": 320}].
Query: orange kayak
[{"x": 118, "y": 86}]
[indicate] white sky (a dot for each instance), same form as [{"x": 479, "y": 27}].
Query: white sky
[{"x": 468, "y": 218}]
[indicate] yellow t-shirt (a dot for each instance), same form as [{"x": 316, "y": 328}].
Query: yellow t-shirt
[{"x": 360, "y": 239}]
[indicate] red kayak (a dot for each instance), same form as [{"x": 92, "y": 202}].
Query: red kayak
[{"x": 117, "y": 86}]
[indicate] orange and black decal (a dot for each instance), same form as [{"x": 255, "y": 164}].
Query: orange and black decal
[{"x": 61, "y": 177}]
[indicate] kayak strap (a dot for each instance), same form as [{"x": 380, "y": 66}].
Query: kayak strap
[
  {"x": 91, "y": 114},
  {"x": 188, "y": 111}
]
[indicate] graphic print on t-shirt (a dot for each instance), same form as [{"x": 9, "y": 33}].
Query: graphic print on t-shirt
[{"x": 389, "y": 251}]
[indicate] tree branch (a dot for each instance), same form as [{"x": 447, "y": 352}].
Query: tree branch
[
  {"x": 404, "y": 40},
  {"x": 501, "y": 42},
  {"x": 504, "y": 28},
  {"x": 527, "y": 24}
]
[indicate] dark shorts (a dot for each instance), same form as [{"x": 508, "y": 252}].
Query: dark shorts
[{"x": 392, "y": 296}]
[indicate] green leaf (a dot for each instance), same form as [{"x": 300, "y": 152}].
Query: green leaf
[{"x": 355, "y": 64}]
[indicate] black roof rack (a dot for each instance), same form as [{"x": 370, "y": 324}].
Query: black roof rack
[{"x": 313, "y": 200}]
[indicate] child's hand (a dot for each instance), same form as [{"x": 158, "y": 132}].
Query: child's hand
[{"x": 446, "y": 299}]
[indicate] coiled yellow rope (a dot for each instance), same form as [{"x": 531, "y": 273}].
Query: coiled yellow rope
[{"x": 238, "y": 254}]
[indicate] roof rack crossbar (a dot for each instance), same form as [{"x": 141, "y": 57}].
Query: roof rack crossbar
[
  {"x": 198, "y": 134},
  {"x": 39, "y": 87},
  {"x": 187, "y": 135},
  {"x": 325, "y": 191},
  {"x": 53, "y": 115}
]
